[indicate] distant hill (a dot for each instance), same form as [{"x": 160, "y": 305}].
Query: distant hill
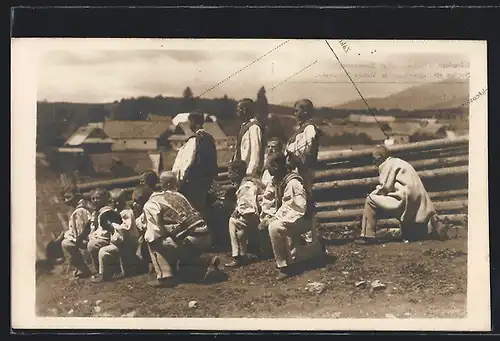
[{"x": 441, "y": 95}]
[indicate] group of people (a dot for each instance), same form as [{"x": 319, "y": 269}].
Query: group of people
[{"x": 271, "y": 207}]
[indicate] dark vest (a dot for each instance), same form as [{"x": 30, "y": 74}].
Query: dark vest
[
  {"x": 312, "y": 158},
  {"x": 204, "y": 166},
  {"x": 244, "y": 128},
  {"x": 280, "y": 190}
]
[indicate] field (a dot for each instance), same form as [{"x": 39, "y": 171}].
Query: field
[{"x": 422, "y": 279}]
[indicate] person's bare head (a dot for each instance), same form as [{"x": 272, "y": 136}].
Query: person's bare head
[
  {"x": 277, "y": 166},
  {"x": 380, "y": 153},
  {"x": 196, "y": 120},
  {"x": 245, "y": 110},
  {"x": 168, "y": 181},
  {"x": 100, "y": 198},
  {"x": 304, "y": 109},
  {"x": 117, "y": 199},
  {"x": 274, "y": 145},
  {"x": 237, "y": 171},
  {"x": 140, "y": 196},
  {"x": 71, "y": 196},
  {"x": 150, "y": 179}
]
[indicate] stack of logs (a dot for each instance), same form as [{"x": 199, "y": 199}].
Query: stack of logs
[{"x": 344, "y": 178}]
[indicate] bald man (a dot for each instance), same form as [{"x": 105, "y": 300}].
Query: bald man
[
  {"x": 177, "y": 235},
  {"x": 400, "y": 194},
  {"x": 302, "y": 147},
  {"x": 250, "y": 140}
]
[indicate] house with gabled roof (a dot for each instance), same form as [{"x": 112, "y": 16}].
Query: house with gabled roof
[
  {"x": 89, "y": 138},
  {"x": 137, "y": 135},
  {"x": 182, "y": 132}
]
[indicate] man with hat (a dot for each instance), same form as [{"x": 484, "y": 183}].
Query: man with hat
[
  {"x": 250, "y": 140},
  {"x": 245, "y": 217},
  {"x": 292, "y": 219},
  {"x": 177, "y": 235},
  {"x": 400, "y": 194},
  {"x": 101, "y": 233},
  {"x": 123, "y": 242},
  {"x": 302, "y": 147},
  {"x": 74, "y": 240},
  {"x": 196, "y": 163}
]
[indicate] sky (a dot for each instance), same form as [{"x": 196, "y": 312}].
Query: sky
[{"x": 105, "y": 70}]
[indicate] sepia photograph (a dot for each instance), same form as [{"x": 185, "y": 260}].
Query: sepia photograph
[{"x": 318, "y": 184}]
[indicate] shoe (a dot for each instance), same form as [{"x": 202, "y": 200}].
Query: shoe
[
  {"x": 366, "y": 241},
  {"x": 168, "y": 282},
  {"x": 119, "y": 276},
  {"x": 237, "y": 262},
  {"x": 81, "y": 274},
  {"x": 284, "y": 273},
  {"x": 99, "y": 279}
]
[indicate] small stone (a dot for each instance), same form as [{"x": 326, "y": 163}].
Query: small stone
[
  {"x": 192, "y": 304},
  {"x": 377, "y": 285},
  {"x": 360, "y": 284},
  {"x": 316, "y": 287}
]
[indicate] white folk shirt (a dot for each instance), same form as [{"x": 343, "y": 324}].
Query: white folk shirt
[
  {"x": 80, "y": 217},
  {"x": 250, "y": 148},
  {"x": 185, "y": 157},
  {"x": 266, "y": 178},
  {"x": 247, "y": 198},
  {"x": 155, "y": 227},
  {"x": 294, "y": 203},
  {"x": 128, "y": 226},
  {"x": 268, "y": 201},
  {"x": 302, "y": 143}
]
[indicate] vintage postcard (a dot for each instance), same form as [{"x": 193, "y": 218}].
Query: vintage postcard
[{"x": 250, "y": 184}]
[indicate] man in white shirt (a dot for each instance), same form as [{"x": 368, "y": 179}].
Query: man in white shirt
[
  {"x": 292, "y": 219},
  {"x": 302, "y": 147},
  {"x": 245, "y": 217},
  {"x": 400, "y": 194},
  {"x": 75, "y": 238},
  {"x": 196, "y": 163},
  {"x": 177, "y": 235},
  {"x": 250, "y": 140}
]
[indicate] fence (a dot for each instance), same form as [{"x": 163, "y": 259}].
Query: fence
[{"x": 343, "y": 179}]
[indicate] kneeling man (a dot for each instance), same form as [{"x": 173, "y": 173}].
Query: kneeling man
[
  {"x": 400, "y": 194},
  {"x": 176, "y": 235}
]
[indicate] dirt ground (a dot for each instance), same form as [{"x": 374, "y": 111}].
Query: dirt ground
[{"x": 422, "y": 279}]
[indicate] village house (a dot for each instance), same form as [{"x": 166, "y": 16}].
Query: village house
[
  {"x": 182, "y": 132},
  {"x": 364, "y": 118},
  {"x": 137, "y": 135},
  {"x": 89, "y": 138}
]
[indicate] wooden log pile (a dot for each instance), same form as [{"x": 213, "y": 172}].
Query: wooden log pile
[{"x": 344, "y": 178}]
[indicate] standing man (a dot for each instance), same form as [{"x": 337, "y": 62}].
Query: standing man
[
  {"x": 250, "y": 140},
  {"x": 196, "y": 163},
  {"x": 292, "y": 219},
  {"x": 400, "y": 194},
  {"x": 76, "y": 237},
  {"x": 177, "y": 235},
  {"x": 302, "y": 147},
  {"x": 245, "y": 217}
]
